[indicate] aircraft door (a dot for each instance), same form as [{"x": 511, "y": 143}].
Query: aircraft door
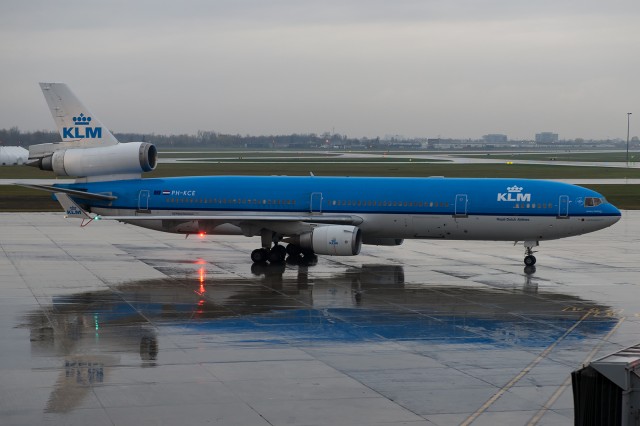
[
  {"x": 143, "y": 200},
  {"x": 315, "y": 202},
  {"x": 563, "y": 207},
  {"x": 461, "y": 205}
]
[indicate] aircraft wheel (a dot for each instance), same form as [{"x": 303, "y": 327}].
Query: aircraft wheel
[
  {"x": 277, "y": 254},
  {"x": 530, "y": 260},
  {"x": 293, "y": 250},
  {"x": 310, "y": 259},
  {"x": 308, "y": 253},
  {"x": 260, "y": 255}
]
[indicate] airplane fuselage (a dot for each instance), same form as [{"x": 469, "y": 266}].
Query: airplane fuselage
[{"x": 385, "y": 208}]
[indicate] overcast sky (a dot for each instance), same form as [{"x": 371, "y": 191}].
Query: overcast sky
[{"x": 418, "y": 68}]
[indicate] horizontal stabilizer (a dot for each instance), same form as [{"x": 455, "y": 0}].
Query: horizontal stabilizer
[
  {"x": 71, "y": 208},
  {"x": 78, "y": 194}
]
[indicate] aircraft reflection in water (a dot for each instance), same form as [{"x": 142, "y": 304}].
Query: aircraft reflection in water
[{"x": 95, "y": 332}]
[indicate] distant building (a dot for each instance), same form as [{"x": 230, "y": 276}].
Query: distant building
[
  {"x": 433, "y": 143},
  {"x": 546, "y": 137},
  {"x": 495, "y": 138},
  {"x": 393, "y": 138}
]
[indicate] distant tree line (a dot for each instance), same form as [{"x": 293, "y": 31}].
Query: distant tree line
[
  {"x": 15, "y": 136},
  {"x": 211, "y": 139}
]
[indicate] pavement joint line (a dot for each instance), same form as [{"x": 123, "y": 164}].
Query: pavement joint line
[
  {"x": 522, "y": 373},
  {"x": 563, "y": 387}
]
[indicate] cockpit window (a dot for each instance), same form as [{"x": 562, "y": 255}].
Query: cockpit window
[{"x": 593, "y": 201}]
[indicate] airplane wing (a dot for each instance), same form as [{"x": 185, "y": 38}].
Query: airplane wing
[
  {"x": 222, "y": 218},
  {"x": 74, "y": 210},
  {"x": 250, "y": 223},
  {"x": 78, "y": 194}
]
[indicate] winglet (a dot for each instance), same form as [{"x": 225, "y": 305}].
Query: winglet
[{"x": 72, "y": 209}]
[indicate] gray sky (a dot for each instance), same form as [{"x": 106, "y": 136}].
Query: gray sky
[{"x": 449, "y": 68}]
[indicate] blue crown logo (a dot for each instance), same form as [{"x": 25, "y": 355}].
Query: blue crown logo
[
  {"x": 514, "y": 188},
  {"x": 82, "y": 120}
]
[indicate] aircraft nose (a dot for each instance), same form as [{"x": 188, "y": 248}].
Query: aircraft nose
[{"x": 614, "y": 213}]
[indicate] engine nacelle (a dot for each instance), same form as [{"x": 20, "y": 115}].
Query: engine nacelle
[
  {"x": 382, "y": 241},
  {"x": 334, "y": 240},
  {"x": 123, "y": 158}
]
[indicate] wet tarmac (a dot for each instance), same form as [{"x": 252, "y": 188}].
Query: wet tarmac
[{"x": 117, "y": 325}]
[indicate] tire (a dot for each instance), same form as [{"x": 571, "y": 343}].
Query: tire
[
  {"x": 277, "y": 254},
  {"x": 259, "y": 255},
  {"x": 293, "y": 250}
]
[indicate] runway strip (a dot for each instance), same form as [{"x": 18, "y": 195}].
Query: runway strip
[
  {"x": 547, "y": 405},
  {"x": 526, "y": 370}
]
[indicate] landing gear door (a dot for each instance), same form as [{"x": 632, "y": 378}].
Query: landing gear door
[
  {"x": 315, "y": 203},
  {"x": 563, "y": 207},
  {"x": 143, "y": 201},
  {"x": 461, "y": 205}
]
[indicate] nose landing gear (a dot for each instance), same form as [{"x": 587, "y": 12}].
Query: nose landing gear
[{"x": 529, "y": 258}]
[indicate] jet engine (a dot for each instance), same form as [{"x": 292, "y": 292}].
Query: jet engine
[
  {"x": 123, "y": 158},
  {"x": 335, "y": 240}
]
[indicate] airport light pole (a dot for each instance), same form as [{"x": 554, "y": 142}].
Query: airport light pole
[{"x": 628, "y": 115}]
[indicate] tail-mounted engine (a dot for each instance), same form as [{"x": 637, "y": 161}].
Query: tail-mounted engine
[{"x": 120, "y": 159}]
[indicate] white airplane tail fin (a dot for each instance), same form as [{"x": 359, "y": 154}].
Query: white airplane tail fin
[
  {"x": 105, "y": 158},
  {"x": 75, "y": 122}
]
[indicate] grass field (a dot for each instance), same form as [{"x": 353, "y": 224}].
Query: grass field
[
  {"x": 307, "y": 160},
  {"x": 615, "y": 157},
  {"x": 243, "y": 155},
  {"x": 389, "y": 168},
  {"x": 13, "y": 198}
]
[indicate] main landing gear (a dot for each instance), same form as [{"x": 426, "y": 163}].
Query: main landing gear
[
  {"x": 278, "y": 253},
  {"x": 529, "y": 258}
]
